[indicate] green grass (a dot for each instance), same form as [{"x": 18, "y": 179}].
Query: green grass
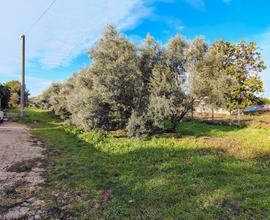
[{"x": 207, "y": 172}]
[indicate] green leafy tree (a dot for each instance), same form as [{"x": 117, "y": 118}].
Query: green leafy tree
[
  {"x": 150, "y": 54},
  {"x": 175, "y": 56},
  {"x": 14, "y": 100},
  {"x": 4, "y": 96},
  {"x": 214, "y": 80},
  {"x": 195, "y": 56},
  {"x": 14, "y": 86},
  {"x": 152, "y": 86},
  {"x": 47, "y": 98},
  {"x": 80, "y": 100},
  {"x": 15, "y": 90},
  {"x": 70, "y": 100},
  {"x": 166, "y": 99},
  {"x": 244, "y": 63},
  {"x": 116, "y": 76}
]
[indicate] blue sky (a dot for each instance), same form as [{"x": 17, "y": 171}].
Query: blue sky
[{"x": 57, "y": 46}]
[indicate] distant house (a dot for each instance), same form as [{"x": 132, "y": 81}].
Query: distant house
[
  {"x": 267, "y": 107},
  {"x": 202, "y": 108}
]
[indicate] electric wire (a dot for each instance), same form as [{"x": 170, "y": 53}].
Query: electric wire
[{"x": 41, "y": 16}]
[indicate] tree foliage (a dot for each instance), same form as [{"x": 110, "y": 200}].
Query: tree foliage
[
  {"x": 15, "y": 91},
  {"x": 263, "y": 101},
  {"x": 152, "y": 87},
  {"x": 116, "y": 76},
  {"x": 243, "y": 62},
  {"x": 150, "y": 55},
  {"x": 4, "y": 96}
]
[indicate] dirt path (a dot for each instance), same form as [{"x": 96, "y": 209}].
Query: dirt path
[{"x": 20, "y": 173}]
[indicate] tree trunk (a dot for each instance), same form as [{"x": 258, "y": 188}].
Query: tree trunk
[
  {"x": 238, "y": 117},
  {"x": 177, "y": 119},
  {"x": 192, "y": 109},
  {"x": 213, "y": 113}
]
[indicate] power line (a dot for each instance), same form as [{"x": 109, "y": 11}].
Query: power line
[{"x": 42, "y": 15}]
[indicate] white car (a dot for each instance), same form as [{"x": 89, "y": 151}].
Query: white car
[{"x": 1, "y": 116}]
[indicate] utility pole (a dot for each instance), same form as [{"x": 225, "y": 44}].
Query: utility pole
[{"x": 23, "y": 77}]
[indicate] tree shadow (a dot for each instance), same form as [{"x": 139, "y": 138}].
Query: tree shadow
[
  {"x": 157, "y": 182},
  {"x": 200, "y": 128}
]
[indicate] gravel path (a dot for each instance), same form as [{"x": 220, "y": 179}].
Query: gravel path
[{"x": 20, "y": 173}]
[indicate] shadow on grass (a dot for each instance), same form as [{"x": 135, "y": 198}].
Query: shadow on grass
[
  {"x": 198, "y": 128},
  {"x": 151, "y": 182}
]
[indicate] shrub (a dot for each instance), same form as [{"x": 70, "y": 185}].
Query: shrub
[
  {"x": 92, "y": 137},
  {"x": 138, "y": 126}
]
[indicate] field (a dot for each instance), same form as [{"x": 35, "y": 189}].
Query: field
[{"x": 203, "y": 171}]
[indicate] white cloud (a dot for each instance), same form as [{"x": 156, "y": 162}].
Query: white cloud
[
  {"x": 68, "y": 29},
  {"x": 37, "y": 84}
]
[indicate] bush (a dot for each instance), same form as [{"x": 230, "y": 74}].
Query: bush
[
  {"x": 92, "y": 137},
  {"x": 95, "y": 137},
  {"x": 138, "y": 126}
]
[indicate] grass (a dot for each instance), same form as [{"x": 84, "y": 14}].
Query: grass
[{"x": 206, "y": 172}]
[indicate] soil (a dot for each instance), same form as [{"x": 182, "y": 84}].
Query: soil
[{"x": 20, "y": 173}]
